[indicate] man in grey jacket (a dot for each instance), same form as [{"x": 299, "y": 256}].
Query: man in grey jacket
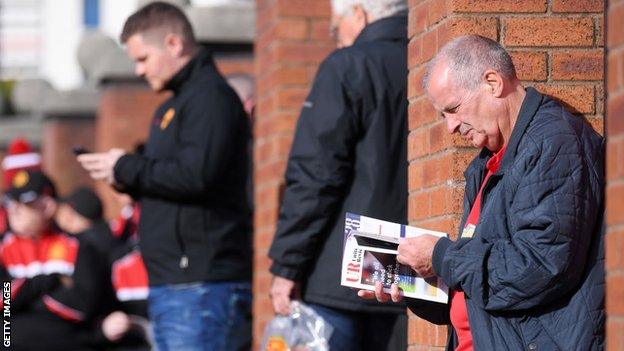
[{"x": 349, "y": 154}]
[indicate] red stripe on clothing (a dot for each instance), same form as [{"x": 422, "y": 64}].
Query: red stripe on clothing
[
  {"x": 16, "y": 285},
  {"x": 61, "y": 310},
  {"x": 459, "y": 310}
]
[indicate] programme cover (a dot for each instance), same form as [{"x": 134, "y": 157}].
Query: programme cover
[{"x": 370, "y": 250}]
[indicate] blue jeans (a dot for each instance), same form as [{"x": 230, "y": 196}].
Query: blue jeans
[
  {"x": 201, "y": 316},
  {"x": 357, "y": 331}
]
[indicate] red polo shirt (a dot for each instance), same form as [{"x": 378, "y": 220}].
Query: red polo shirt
[{"x": 459, "y": 313}]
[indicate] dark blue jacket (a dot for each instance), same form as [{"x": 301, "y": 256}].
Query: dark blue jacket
[
  {"x": 533, "y": 273},
  {"x": 349, "y": 154}
]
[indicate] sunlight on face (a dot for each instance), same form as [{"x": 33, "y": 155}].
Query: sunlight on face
[
  {"x": 345, "y": 28},
  {"x": 27, "y": 220},
  {"x": 472, "y": 114},
  {"x": 152, "y": 61}
]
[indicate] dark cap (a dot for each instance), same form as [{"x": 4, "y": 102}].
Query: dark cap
[
  {"x": 85, "y": 202},
  {"x": 29, "y": 185}
]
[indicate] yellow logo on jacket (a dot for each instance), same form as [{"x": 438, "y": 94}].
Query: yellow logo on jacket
[
  {"x": 58, "y": 251},
  {"x": 167, "y": 117},
  {"x": 21, "y": 179}
]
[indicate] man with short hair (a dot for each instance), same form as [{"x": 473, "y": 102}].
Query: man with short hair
[
  {"x": 195, "y": 225},
  {"x": 349, "y": 154},
  {"x": 526, "y": 272}
]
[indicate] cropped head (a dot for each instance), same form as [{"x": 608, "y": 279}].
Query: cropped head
[
  {"x": 77, "y": 212},
  {"x": 30, "y": 203},
  {"x": 470, "y": 82},
  {"x": 160, "y": 41},
  {"x": 350, "y": 17}
]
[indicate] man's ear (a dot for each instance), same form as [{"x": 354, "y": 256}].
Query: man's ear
[
  {"x": 495, "y": 82},
  {"x": 174, "y": 44},
  {"x": 361, "y": 15}
]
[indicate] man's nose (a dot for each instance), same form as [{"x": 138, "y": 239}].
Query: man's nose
[
  {"x": 139, "y": 70},
  {"x": 452, "y": 124}
]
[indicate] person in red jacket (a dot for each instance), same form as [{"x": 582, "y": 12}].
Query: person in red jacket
[
  {"x": 20, "y": 156},
  {"x": 53, "y": 292}
]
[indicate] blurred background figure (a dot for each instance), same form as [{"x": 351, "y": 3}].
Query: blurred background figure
[
  {"x": 126, "y": 225},
  {"x": 349, "y": 154},
  {"x": 20, "y": 156},
  {"x": 128, "y": 327},
  {"x": 53, "y": 290},
  {"x": 243, "y": 85},
  {"x": 80, "y": 214}
]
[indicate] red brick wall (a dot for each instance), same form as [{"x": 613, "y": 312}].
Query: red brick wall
[
  {"x": 292, "y": 39},
  {"x": 615, "y": 176},
  {"x": 557, "y": 45},
  {"x": 235, "y": 65},
  {"x": 59, "y": 162}
]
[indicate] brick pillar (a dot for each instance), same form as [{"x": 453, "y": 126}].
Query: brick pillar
[
  {"x": 292, "y": 39},
  {"x": 59, "y": 162},
  {"x": 615, "y": 176},
  {"x": 557, "y": 46}
]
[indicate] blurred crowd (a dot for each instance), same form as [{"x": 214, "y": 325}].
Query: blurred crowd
[{"x": 77, "y": 280}]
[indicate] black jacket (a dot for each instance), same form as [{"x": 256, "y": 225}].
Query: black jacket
[
  {"x": 195, "y": 222},
  {"x": 533, "y": 273},
  {"x": 349, "y": 154}
]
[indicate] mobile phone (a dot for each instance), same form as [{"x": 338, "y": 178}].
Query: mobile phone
[
  {"x": 79, "y": 150},
  {"x": 377, "y": 241}
]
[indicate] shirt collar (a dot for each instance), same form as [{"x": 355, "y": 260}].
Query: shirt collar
[{"x": 493, "y": 164}]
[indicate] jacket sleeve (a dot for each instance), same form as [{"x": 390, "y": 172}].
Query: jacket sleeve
[
  {"x": 211, "y": 124},
  {"x": 25, "y": 291},
  {"x": 551, "y": 221},
  {"x": 317, "y": 175},
  {"x": 78, "y": 301}
]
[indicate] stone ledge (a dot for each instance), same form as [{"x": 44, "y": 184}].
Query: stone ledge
[
  {"x": 233, "y": 23},
  {"x": 25, "y": 126},
  {"x": 39, "y": 99}
]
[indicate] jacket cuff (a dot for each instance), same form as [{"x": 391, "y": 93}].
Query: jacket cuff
[
  {"x": 439, "y": 251},
  {"x": 126, "y": 169},
  {"x": 285, "y": 272}
]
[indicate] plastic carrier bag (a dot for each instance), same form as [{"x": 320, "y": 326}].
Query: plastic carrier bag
[{"x": 302, "y": 330}]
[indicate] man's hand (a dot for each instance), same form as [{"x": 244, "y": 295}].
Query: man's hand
[
  {"x": 115, "y": 325},
  {"x": 418, "y": 253},
  {"x": 396, "y": 295},
  {"x": 282, "y": 290},
  {"x": 100, "y": 165}
]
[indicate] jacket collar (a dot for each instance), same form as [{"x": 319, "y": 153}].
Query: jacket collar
[
  {"x": 532, "y": 101},
  {"x": 389, "y": 28},
  {"x": 202, "y": 58}
]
